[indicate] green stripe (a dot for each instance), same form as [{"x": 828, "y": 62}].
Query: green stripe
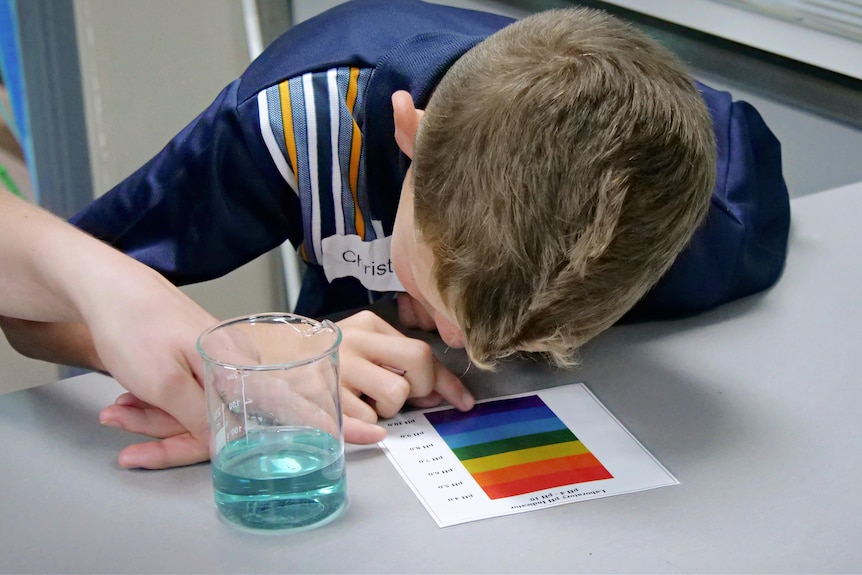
[{"x": 513, "y": 444}]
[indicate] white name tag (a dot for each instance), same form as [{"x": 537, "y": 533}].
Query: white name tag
[{"x": 369, "y": 262}]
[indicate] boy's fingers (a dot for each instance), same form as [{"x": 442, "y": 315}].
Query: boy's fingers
[
  {"x": 361, "y": 432},
  {"x": 369, "y": 322},
  {"x": 185, "y": 450},
  {"x": 142, "y": 420},
  {"x": 451, "y": 388},
  {"x": 145, "y": 411},
  {"x": 380, "y": 348},
  {"x": 363, "y": 374},
  {"x": 131, "y": 400},
  {"x": 387, "y": 391},
  {"x": 433, "y": 399},
  {"x": 174, "y": 451},
  {"x": 356, "y": 407},
  {"x": 184, "y": 397}
]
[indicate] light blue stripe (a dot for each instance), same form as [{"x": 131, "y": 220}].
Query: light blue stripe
[
  {"x": 303, "y": 175},
  {"x": 345, "y": 140},
  {"x": 276, "y": 122}
]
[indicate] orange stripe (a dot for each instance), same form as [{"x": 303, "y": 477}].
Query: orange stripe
[
  {"x": 549, "y": 481},
  {"x": 355, "y": 152},
  {"x": 536, "y": 468},
  {"x": 287, "y": 121}
]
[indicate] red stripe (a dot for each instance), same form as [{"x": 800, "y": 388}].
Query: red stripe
[{"x": 546, "y": 481}]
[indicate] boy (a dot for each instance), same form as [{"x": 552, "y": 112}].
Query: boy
[
  {"x": 561, "y": 167},
  {"x": 301, "y": 147}
]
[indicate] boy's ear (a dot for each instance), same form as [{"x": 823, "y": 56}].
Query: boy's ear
[{"x": 407, "y": 119}]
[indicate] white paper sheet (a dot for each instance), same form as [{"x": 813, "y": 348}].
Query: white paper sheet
[{"x": 518, "y": 453}]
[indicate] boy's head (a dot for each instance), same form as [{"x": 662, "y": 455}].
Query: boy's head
[{"x": 560, "y": 167}]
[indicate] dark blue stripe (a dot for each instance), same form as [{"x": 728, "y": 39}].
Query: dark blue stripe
[
  {"x": 362, "y": 188},
  {"x": 324, "y": 154},
  {"x": 486, "y": 407}
]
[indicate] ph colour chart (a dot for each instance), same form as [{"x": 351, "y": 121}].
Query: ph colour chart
[
  {"x": 516, "y": 446},
  {"x": 518, "y": 453}
]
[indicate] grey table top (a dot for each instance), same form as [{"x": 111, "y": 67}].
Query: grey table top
[{"x": 755, "y": 407}]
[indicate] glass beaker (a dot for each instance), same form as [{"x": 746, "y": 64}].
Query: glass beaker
[{"x": 274, "y": 408}]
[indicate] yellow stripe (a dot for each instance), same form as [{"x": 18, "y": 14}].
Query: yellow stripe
[
  {"x": 355, "y": 152},
  {"x": 352, "y": 89},
  {"x": 520, "y": 456},
  {"x": 287, "y": 121}
]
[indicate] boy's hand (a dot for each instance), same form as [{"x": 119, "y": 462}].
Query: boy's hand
[{"x": 382, "y": 369}]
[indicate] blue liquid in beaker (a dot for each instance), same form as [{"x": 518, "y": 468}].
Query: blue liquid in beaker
[{"x": 280, "y": 478}]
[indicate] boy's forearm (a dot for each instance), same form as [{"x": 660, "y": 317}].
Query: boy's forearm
[{"x": 62, "y": 343}]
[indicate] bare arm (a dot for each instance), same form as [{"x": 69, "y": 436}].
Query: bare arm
[
  {"x": 41, "y": 257},
  {"x": 78, "y": 301}
]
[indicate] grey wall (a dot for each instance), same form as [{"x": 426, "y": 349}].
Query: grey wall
[{"x": 148, "y": 69}]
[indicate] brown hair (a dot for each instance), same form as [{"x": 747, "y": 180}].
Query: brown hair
[{"x": 561, "y": 166}]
